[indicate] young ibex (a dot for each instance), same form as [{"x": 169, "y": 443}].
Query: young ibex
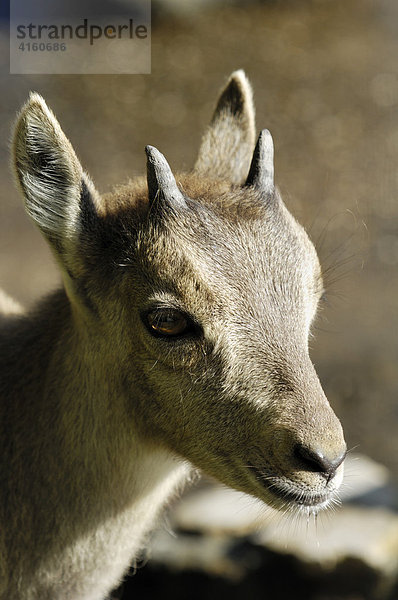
[{"x": 180, "y": 338}]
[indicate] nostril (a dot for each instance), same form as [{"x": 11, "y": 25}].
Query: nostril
[{"x": 318, "y": 462}]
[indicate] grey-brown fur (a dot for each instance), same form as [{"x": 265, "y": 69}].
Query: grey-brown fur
[{"x": 102, "y": 415}]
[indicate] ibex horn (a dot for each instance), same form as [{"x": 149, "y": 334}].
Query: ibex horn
[
  {"x": 161, "y": 182},
  {"x": 261, "y": 173}
]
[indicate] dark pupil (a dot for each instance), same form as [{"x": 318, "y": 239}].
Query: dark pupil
[{"x": 167, "y": 323}]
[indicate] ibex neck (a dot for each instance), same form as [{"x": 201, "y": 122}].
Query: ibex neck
[
  {"x": 69, "y": 414},
  {"x": 74, "y": 444}
]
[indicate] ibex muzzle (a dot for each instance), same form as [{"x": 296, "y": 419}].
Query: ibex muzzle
[{"x": 182, "y": 335}]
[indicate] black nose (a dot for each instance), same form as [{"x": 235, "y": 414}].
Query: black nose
[{"x": 317, "y": 461}]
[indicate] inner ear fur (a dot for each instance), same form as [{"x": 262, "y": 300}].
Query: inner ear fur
[{"x": 227, "y": 145}]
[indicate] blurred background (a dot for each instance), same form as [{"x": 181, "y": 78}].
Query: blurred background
[{"x": 325, "y": 77}]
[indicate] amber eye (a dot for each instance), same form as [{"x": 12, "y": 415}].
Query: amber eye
[{"x": 168, "y": 322}]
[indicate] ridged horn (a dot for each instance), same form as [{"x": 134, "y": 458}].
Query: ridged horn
[
  {"x": 261, "y": 173},
  {"x": 161, "y": 181}
]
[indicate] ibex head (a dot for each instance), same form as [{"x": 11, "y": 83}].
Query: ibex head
[{"x": 199, "y": 290}]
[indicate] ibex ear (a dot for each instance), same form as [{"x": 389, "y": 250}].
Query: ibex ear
[
  {"x": 227, "y": 145},
  {"x": 58, "y": 195}
]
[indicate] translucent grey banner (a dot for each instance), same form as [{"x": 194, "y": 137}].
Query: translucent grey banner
[{"x": 80, "y": 36}]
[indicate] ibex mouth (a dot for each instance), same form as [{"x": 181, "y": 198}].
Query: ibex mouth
[{"x": 288, "y": 494}]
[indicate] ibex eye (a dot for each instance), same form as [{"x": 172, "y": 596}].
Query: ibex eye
[{"x": 168, "y": 322}]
